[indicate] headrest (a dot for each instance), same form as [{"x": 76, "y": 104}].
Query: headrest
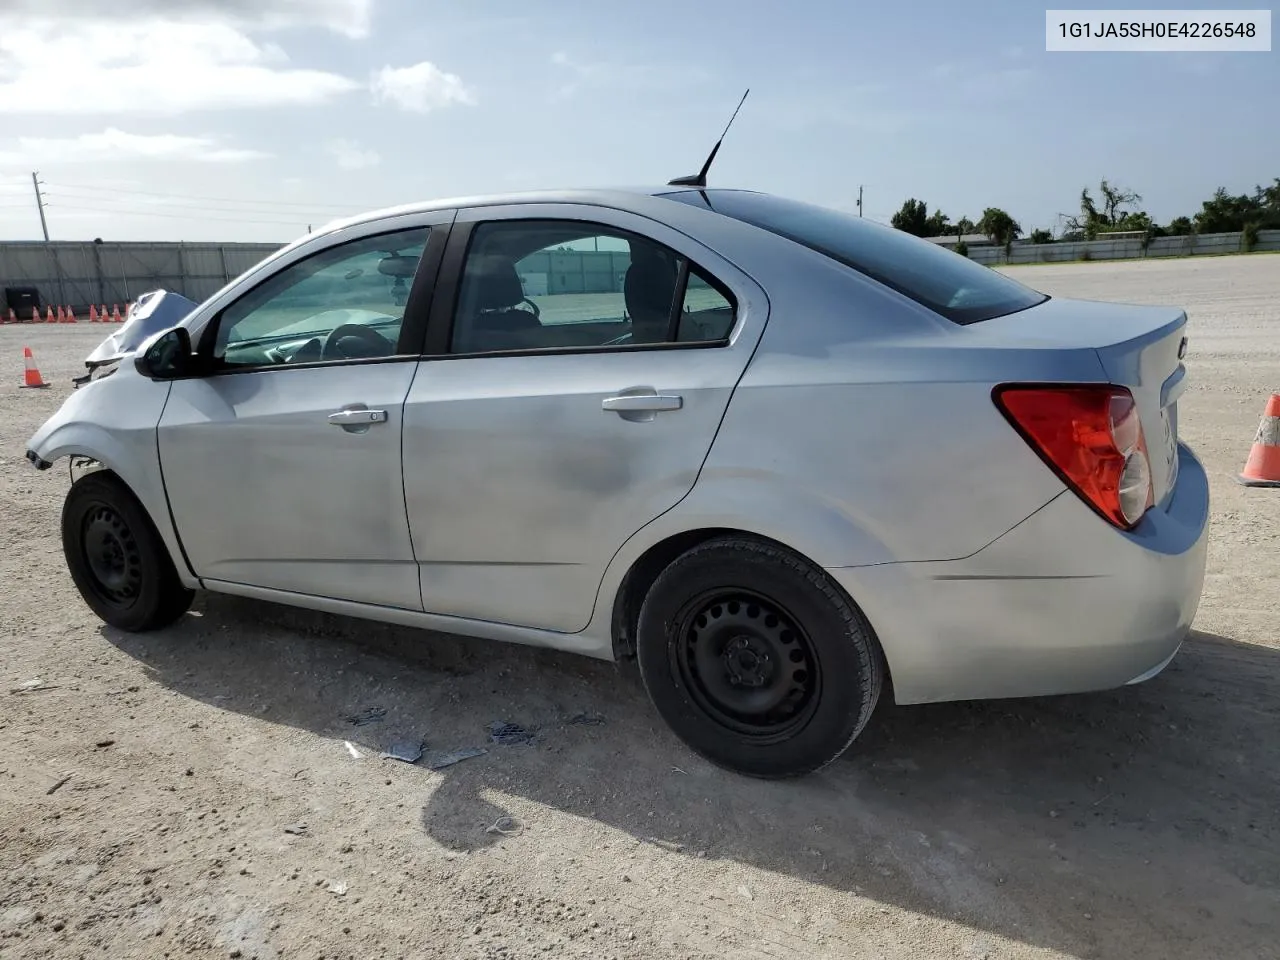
[
  {"x": 494, "y": 282},
  {"x": 649, "y": 286}
]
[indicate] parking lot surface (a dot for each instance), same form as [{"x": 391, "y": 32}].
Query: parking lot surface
[{"x": 204, "y": 791}]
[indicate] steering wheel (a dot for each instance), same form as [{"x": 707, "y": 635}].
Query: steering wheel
[{"x": 380, "y": 345}]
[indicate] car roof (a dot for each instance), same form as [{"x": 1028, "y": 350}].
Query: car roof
[{"x": 618, "y": 196}]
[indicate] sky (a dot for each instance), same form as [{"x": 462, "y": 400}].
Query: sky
[{"x": 231, "y": 120}]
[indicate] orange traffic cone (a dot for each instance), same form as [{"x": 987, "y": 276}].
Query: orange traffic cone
[
  {"x": 1262, "y": 469},
  {"x": 93, "y": 313},
  {"x": 32, "y": 377},
  {"x": 35, "y": 314},
  {"x": 49, "y": 317},
  {"x": 115, "y": 314},
  {"x": 71, "y": 315},
  {"x": 102, "y": 313}
]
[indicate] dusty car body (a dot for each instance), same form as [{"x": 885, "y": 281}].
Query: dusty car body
[{"x": 778, "y": 454}]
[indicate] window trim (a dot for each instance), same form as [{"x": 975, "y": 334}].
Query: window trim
[
  {"x": 413, "y": 328},
  {"x": 444, "y": 302}
]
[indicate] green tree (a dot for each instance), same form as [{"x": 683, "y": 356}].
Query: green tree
[
  {"x": 1180, "y": 227},
  {"x": 1224, "y": 213},
  {"x": 1040, "y": 236},
  {"x": 1092, "y": 221},
  {"x": 938, "y": 225},
  {"x": 912, "y": 218},
  {"x": 999, "y": 226}
]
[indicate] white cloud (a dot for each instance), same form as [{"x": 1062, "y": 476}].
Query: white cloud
[
  {"x": 350, "y": 155},
  {"x": 350, "y": 18},
  {"x": 420, "y": 88},
  {"x": 113, "y": 144},
  {"x": 150, "y": 66}
]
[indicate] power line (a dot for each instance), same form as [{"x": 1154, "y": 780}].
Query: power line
[
  {"x": 172, "y": 216},
  {"x": 187, "y": 196},
  {"x": 62, "y": 192}
]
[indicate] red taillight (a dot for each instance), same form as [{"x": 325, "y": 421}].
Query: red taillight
[{"x": 1091, "y": 436}]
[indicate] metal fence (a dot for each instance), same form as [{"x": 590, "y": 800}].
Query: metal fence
[{"x": 80, "y": 274}]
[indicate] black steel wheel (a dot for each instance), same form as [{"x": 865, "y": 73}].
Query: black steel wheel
[
  {"x": 116, "y": 557},
  {"x": 112, "y": 555},
  {"x": 756, "y": 659},
  {"x": 747, "y": 663}
]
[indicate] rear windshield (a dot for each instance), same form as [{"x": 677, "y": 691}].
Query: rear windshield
[{"x": 942, "y": 280}]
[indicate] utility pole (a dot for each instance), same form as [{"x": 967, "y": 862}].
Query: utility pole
[
  {"x": 859, "y": 199},
  {"x": 35, "y": 182}
]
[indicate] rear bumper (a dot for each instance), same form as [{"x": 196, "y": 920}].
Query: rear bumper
[{"x": 1063, "y": 603}]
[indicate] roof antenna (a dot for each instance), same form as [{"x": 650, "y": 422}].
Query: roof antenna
[{"x": 700, "y": 179}]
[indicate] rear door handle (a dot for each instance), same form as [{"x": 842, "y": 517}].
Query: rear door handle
[
  {"x": 642, "y": 402},
  {"x": 355, "y": 418}
]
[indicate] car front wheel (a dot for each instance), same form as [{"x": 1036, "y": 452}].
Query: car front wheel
[
  {"x": 116, "y": 557},
  {"x": 756, "y": 659}
]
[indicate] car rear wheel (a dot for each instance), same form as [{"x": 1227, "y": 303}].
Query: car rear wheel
[
  {"x": 756, "y": 659},
  {"x": 116, "y": 557}
]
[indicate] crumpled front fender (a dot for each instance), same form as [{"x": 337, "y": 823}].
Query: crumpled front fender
[{"x": 113, "y": 421}]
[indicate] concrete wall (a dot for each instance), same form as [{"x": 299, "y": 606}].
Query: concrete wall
[
  {"x": 1209, "y": 243},
  {"x": 78, "y": 274}
]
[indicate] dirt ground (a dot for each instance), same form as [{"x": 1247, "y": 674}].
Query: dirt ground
[{"x": 154, "y": 789}]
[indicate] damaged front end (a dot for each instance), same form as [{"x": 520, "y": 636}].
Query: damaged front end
[{"x": 154, "y": 311}]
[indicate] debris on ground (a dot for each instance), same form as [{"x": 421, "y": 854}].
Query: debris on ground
[
  {"x": 367, "y": 715},
  {"x": 351, "y": 749},
  {"x": 297, "y": 829},
  {"x": 507, "y": 826},
  {"x": 586, "y": 719},
  {"x": 32, "y": 686},
  {"x": 57, "y": 786},
  {"x": 457, "y": 756},
  {"x": 510, "y": 733},
  {"x": 337, "y": 889},
  {"x": 410, "y": 751}
]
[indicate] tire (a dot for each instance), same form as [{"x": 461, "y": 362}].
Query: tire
[
  {"x": 756, "y": 659},
  {"x": 116, "y": 557}
]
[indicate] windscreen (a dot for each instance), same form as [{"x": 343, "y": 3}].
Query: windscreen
[{"x": 946, "y": 282}]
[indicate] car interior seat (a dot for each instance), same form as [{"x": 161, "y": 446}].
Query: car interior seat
[
  {"x": 649, "y": 287},
  {"x": 492, "y": 316}
]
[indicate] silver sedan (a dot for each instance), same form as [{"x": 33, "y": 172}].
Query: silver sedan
[{"x": 783, "y": 457}]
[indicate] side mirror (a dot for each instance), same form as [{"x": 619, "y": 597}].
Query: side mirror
[{"x": 166, "y": 356}]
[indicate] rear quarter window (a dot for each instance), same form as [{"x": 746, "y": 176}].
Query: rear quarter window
[{"x": 946, "y": 282}]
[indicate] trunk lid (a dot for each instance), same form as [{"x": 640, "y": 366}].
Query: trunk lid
[{"x": 1139, "y": 347}]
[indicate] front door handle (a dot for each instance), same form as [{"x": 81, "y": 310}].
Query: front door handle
[
  {"x": 355, "y": 418},
  {"x": 642, "y": 402}
]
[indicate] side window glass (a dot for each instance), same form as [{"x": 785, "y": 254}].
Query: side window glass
[
  {"x": 706, "y": 314},
  {"x": 561, "y": 284},
  {"x": 345, "y": 303}
]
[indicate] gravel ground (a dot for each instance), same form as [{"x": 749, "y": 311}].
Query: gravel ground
[{"x": 190, "y": 793}]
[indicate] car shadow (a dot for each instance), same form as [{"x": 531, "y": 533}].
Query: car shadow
[{"x": 1150, "y": 810}]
